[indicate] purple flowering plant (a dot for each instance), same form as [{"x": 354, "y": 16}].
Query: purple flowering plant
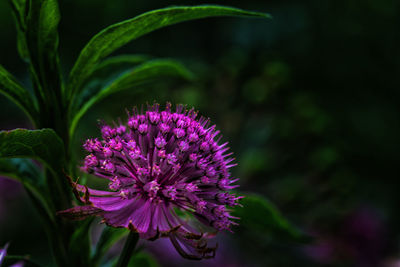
[
  {"x": 159, "y": 161},
  {"x": 166, "y": 167}
]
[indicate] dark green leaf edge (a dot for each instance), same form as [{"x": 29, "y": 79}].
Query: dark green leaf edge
[
  {"x": 12, "y": 89},
  {"x": 111, "y": 68},
  {"x": 119, "y": 34},
  {"x": 24, "y": 143},
  {"x": 141, "y": 74}
]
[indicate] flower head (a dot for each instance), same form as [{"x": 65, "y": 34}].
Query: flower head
[{"x": 161, "y": 162}]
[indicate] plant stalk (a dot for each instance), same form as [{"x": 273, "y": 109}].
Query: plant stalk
[{"x": 127, "y": 251}]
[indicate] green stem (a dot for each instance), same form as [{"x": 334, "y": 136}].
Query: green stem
[{"x": 127, "y": 251}]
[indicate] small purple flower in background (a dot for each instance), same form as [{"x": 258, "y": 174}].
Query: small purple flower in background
[
  {"x": 156, "y": 164},
  {"x": 3, "y": 254}
]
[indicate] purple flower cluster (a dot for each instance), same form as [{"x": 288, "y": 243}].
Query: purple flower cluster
[{"x": 158, "y": 163}]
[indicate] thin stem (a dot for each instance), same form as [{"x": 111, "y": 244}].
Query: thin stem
[{"x": 127, "y": 251}]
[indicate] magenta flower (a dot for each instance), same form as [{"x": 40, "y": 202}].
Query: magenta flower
[{"x": 158, "y": 163}]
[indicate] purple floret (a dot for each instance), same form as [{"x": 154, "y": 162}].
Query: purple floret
[
  {"x": 3, "y": 253},
  {"x": 159, "y": 162}
]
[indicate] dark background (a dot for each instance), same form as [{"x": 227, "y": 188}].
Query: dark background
[{"x": 308, "y": 102}]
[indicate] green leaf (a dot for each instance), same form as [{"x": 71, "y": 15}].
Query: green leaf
[
  {"x": 259, "y": 214},
  {"x": 117, "y": 35},
  {"x": 22, "y": 13},
  {"x": 117, "y": 65},
  {"x": 26, "y": 172},
  {"x": 46, "y": 146},
  {"x": 49, "y": 17},
  {"x": 12, "y": 89},
  {"x": 20, "y": 10},
  {"x": 112, "y": 67},
  {"x": 37, "y": 23},
  {"x": 43, "y": 22},
  {"x": 107, "y": 71},
  {"x": 143, "y": 73},
  {"x": 108, "y": 237},
  {"x": 43, "y": 144},
  {"x": 143, "y": 259},
  {"x": 29, "y": 174}
]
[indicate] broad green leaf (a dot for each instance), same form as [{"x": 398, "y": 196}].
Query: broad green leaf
[
  {"x": 143, "y": 259},
  {"x": 49, "y": 17},
  {"x": 22, "y": 13},
  {"x": 259, "y": 214},
  {"x": 43, "y": 144},
  {"x": 11, "y": 88},
  {"x": 143, "y": 73},
  {"x": 107, "y": 71},
  {"x": 108, "y": 237},
  {"x": 37, "y": 22},
  {"x": 43, "y": 20},
  {"x": 29, "y": 174},
  {"x": 117, "y": 35},
  {"x": 46, "y": 146}
]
